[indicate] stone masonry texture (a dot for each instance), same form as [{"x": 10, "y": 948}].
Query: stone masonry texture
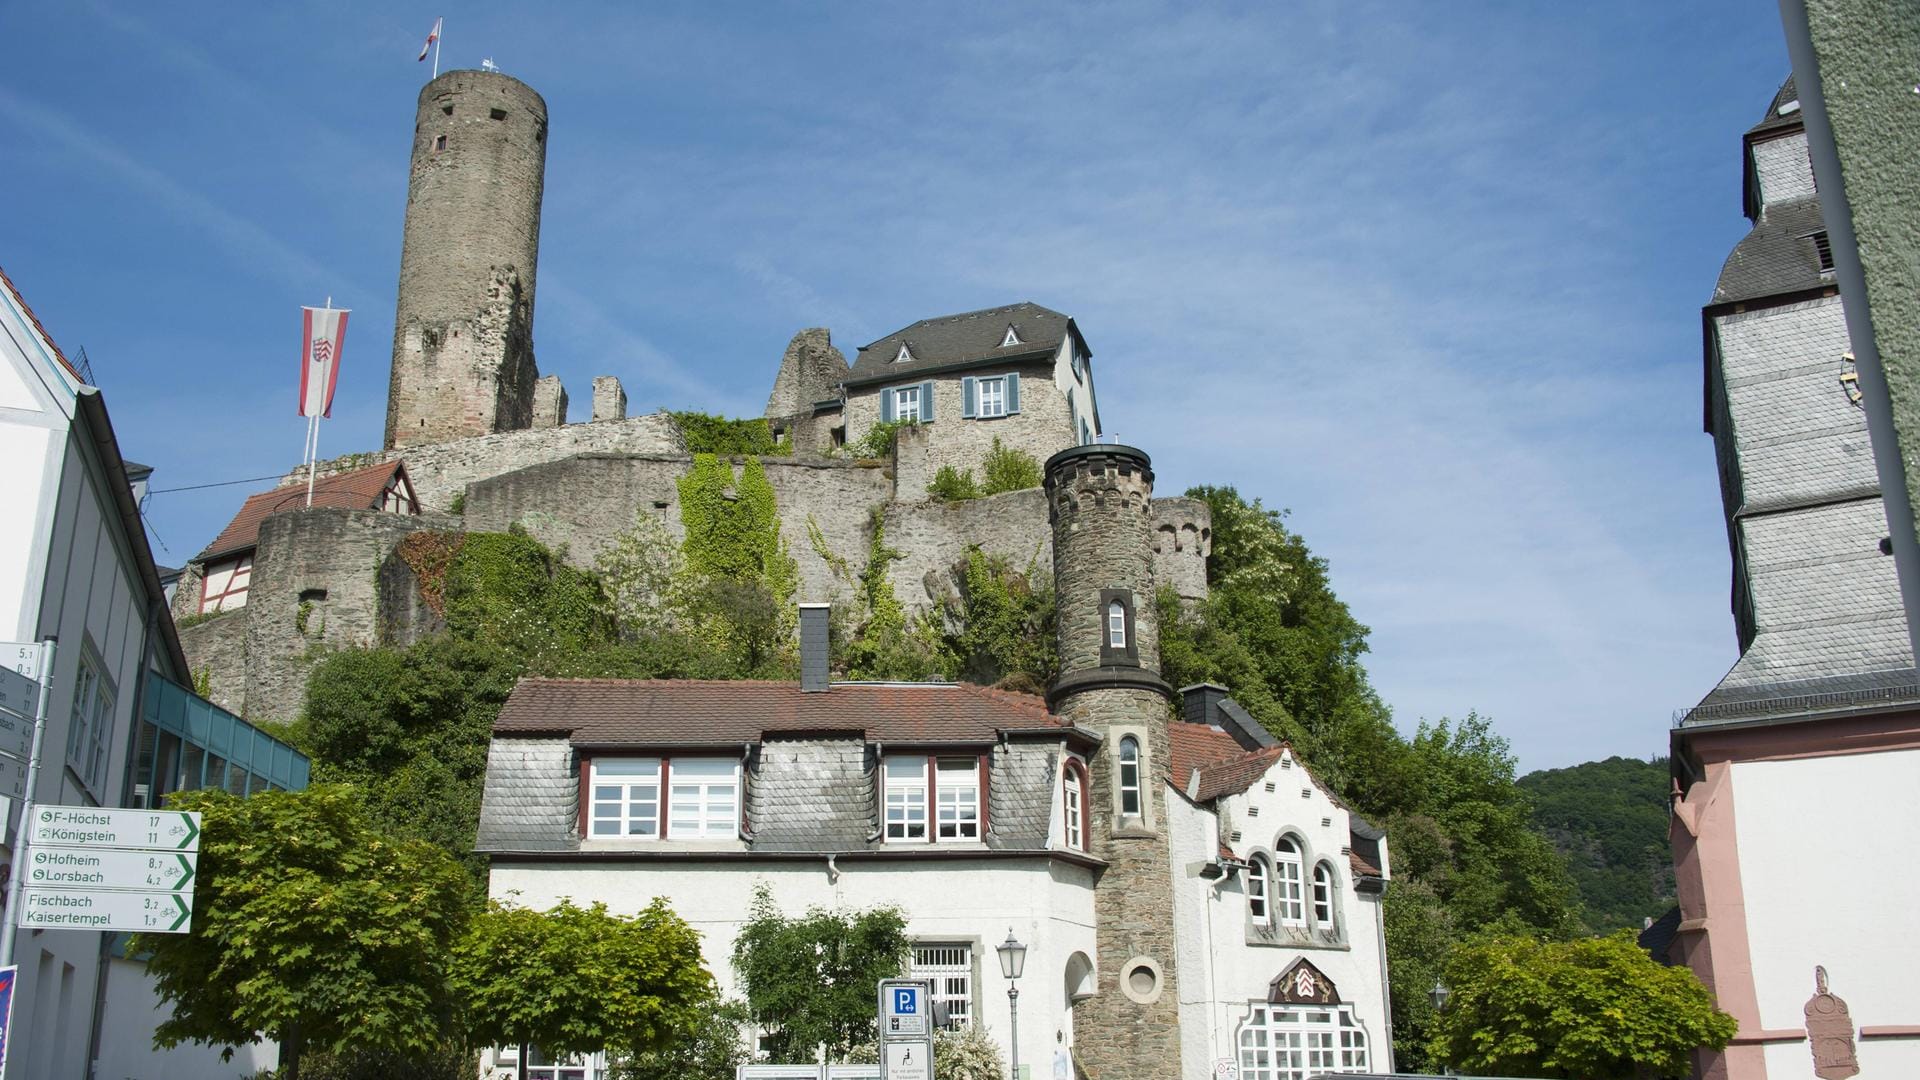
[
  {"x": 549, "y": 402},
  {"x": 463, "y": 359},
  {"x": 609, "y": 399},
  {"x": 1102, "y": 518}
]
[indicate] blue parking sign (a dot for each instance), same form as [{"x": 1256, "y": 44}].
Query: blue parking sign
[{"x": 906, "y": 1000}]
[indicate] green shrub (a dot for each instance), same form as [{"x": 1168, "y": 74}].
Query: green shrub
[
  {"x": 1008, "y": 469},
  {"x": 953, "y": 485},
  {"x": 878, "y": 441},
  {"x": 709, "y": 434}
]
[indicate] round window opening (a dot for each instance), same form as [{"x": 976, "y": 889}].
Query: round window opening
[{"x": 1140, "y": 980}]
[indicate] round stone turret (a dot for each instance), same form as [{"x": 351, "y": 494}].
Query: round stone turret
[
  {"x": 1100, "y": 501},
  {"x": 463, "y": 331}
]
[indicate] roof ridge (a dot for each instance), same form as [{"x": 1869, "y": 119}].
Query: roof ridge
[{"x": 45, "y": 334}]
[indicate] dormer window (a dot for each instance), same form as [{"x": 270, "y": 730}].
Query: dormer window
[
  {"x": 904, "y": 356},
  {"x": 1012, "y": 338}
]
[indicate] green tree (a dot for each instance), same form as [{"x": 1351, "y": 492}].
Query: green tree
[
  {"x": 574, "y": 980},
  {"x": 1000, "y": 626},
  {"x": 712, "y": 1047},
  {"x": 1596, "y": 1009},
  {"x": 312, "y": 927},
  {"x": 1008, "y": 469},
  {"x": 953, "y": 485},
  {"x": 1609, "y": 818},
  {"x": 809, "y": 980}
]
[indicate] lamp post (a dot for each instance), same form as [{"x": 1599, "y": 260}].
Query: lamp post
[
  {"x": 1013, "y": 960},
  {"x": 1438, "y": 995}
]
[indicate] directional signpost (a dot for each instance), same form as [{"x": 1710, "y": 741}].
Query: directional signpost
[{"x": 100, "y": 869}]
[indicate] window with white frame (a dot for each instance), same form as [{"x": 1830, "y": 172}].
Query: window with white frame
[
  {"x": 90, "y": 732},
  {"x": 1323, "y": 897},
  {"x": 1293, "y": 1042},
  {"x": 223, "y": 585},
  {"x": 906, "y": 402},
  {"x": 906, "y": 797},
  {"x": 626, "y": 797},
  {"x": 1116, "y": 625},
  {"x": 703, "y": 801},
  {"x": 991, "y": 399},
  {"x": 1073, "y": 796},
  {"x": 544, "y": 1066},
  {"x": 1287, "y": 875},
  {"x": 949, "y": 968},
  {"x": 1258, "y": 901},
  {"x": 957, "y": 788},
  {"x": 1011, "y": 337},
  {"x": 1130, "y": 775}
]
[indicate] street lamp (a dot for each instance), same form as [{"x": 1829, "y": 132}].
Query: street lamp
[
  {"x": 1013, "y": 960},
  {"x": 1438, "y": 995}
]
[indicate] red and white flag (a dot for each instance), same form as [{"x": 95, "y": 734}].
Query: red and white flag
[
  {"x": 323, "y": 332},
  {"x": 432, "y": 37}
]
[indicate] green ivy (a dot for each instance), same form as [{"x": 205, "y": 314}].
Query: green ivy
[
  {"x": 509, "y": 591},
  {"x": 886, "y": 646},
  {"x": 709, "y": 434},
  {"x": 878, "y": 441},
  {"x": 1001, "y": 625},
  {"x": 744, "y": 578}
]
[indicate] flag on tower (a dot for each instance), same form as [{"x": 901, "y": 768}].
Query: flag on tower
[
  {"x": 432, "y": 36},
  {"x": 324, "y": 329}
]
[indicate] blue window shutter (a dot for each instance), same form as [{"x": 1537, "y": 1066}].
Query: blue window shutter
[
  {"x": 1013, "y": 392},
  {"x": 968, "y": 410},
  {"x": 926, "y": 402},
  {"x": 886, "y": 406}
]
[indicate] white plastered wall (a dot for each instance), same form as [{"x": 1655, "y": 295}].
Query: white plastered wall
[{"x": 1827, "y": 871}]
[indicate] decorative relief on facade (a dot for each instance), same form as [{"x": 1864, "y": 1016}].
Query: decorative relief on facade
[
  {"x": 1302, "y": 984},
  {"x": 1830, "y": 1032}
]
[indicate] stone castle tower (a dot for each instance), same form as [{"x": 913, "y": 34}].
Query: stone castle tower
[
  {"x": 1100, "y": 503},
  {"x": 463, "y": 332}
]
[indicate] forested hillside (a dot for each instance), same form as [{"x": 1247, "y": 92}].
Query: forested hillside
[
  {"x": 1609, "y": 818},
  {"x": 410, "y": 726}
]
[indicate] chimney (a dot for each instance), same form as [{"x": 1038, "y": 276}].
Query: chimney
[
  {"x": 813, "y": 647},
  {"x": 1200, "y": 703}
]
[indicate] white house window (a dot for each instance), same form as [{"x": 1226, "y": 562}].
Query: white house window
[
  {"x": 224, "y": 586},
  {"x": 1073, "y": 797},
  {"x": 906, "y": 402},
  {"x": 1293, "y": 1042},
  {"x": 1286, "y": 879},
  {"x": 1323, "y": 897},
  {"x": 1116, "y": 625},
  {"x": 958, "y": 791},
  {"x": 993, "y": 397},
  {"x": 1130, "y": 775},
  {"x": 905, "y": 354},
  {"x": 89, "y": 735},
  {"x": 1012, "y": 338},
  {"x": 626, "y": 797},
  {"x": 703, "y": 798},
  {"x": 1257, "y": 899},
  {"x": 949, "y": 968},
  {"x": 906, "y": 784}
]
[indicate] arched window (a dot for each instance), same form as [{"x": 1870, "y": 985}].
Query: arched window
[
  {"x": 1323, "y": 896},
  {"x": 1258, "y": 902},
  {"x": 1116, "y": 625},
  {"x": 1073, "y": 796},
  {"x": 1130, "y": 775},
  {"x": 1287, "y": 877}
]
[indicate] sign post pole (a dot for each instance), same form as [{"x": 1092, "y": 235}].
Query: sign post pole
[
  {"x": 905, "y": 1028},
  {"x": 17, "y": 873}
]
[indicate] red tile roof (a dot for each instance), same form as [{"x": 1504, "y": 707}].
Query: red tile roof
[
  {"x": 358, "y": 489},
  {"x": 35, "y": 320},
  {"x": 1361, "y": 867},
  {"x": 693, "y": 712},
  {"x": 1226, "y": 768}
]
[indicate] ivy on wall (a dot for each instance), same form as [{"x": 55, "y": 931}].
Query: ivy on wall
[
  {"x": 741, "y": 598},
  {"x": 709, "y": 434}
]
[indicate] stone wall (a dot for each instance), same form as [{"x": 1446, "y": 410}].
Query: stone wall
[
  {"x": 609, "y": 399},
  {"x": 314, "y": 589},
  {"x": 463, "y": 328},
  {"x": 580, "y": 505},
  {"x": 549, "y": 403},
  {"x": 217, "y": 648},
  {"x": 441, "y": 471},
  {"x": 1182, "y": 540},
  {"x": 1042, "y": 427}
]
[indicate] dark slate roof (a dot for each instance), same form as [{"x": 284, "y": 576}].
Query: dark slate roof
[
  {"x": 356, "y": 489},
  {"x": 1776, "y": 256},
  {"x": 691, "y": 712},
  {"x": 1774, "y": 121},
  {"x": 966, "y": 338},
  {"x": 1658, "y": 938},
  {"x": 1746, "y": 702},
  {"x": 1020, "y": 796},
  {"x": 530, "y": 798},
  {"x": 811, "y": 795}
]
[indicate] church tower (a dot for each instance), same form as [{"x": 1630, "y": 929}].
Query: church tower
[
  {"x": 1100, "y": 502},
  {"x": 463, "y": 330}
]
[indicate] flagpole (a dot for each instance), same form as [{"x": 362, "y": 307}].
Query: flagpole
[{"x": 438, "y": 25}]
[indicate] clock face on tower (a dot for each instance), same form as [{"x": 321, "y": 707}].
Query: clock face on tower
[{"x": 1850, "y": 377}]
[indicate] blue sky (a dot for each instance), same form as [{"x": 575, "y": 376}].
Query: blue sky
[{"x": 1429, "y": 276}]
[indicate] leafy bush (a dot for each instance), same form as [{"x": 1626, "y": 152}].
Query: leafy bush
[
  {"x": 709, "y": 434},
  {"x": 1008, "y": 469},
  {"x": 967, "y": 1054},
  {"x": 878, "y": 441},
  {"x": 953, "y": 485},
  {"x": 810, "y": 979}
]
